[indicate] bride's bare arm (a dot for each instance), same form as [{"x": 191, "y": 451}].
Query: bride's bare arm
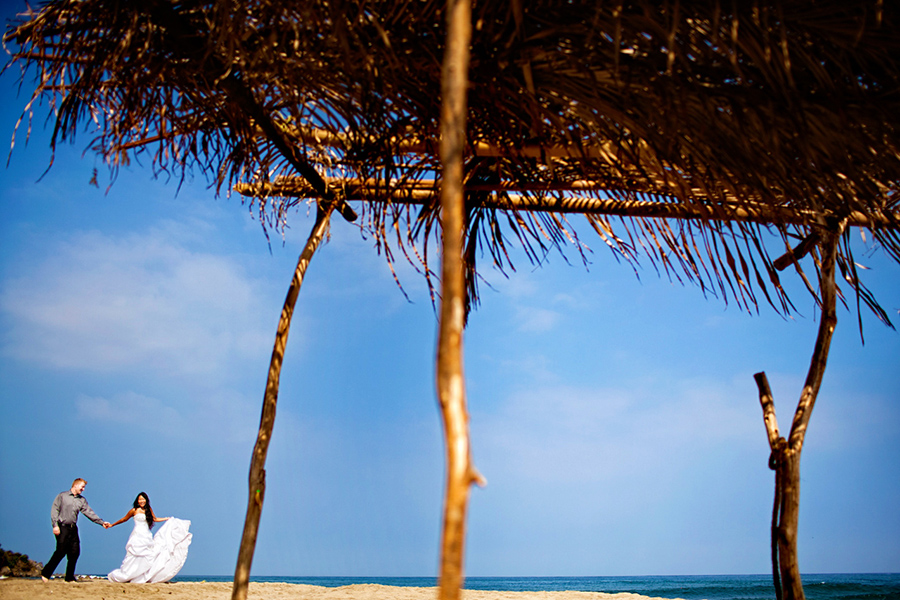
[
  {"x": 127, "y": 516},
  {"x": 157, "y": 519}
]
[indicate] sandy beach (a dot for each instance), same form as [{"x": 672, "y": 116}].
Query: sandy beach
[{"x": 98, "y": 589}]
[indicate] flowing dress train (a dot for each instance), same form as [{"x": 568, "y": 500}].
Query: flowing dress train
[{"x": 154, "y": 558}]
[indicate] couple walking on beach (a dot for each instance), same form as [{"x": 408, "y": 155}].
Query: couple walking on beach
[{"x": 148, "y": 558}]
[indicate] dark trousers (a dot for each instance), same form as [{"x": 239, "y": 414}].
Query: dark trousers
[{"x": 68, "y": 545}]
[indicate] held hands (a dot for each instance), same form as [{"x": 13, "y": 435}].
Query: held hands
[{"x": 106, "y": 525}]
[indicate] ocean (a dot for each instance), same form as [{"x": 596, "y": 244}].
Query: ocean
[{"x": 867, "y": 586}]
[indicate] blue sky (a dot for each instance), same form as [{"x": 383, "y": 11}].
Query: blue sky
[{"x": 615, "y": 419}]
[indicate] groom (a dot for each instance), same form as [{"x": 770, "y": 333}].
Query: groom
[{"x": 63, "y": 516}]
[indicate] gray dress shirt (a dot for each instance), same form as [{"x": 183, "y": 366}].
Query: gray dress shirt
[{"x": 66, "y": 507}]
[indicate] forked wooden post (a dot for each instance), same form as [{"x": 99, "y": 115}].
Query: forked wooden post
[
  {"x": 450, "y": 379},
  {"x": 785, "y": 456},
  {"x": 267, "y": 420}
]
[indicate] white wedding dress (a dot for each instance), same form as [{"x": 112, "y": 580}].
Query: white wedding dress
[{"x": 154, "y": 558}]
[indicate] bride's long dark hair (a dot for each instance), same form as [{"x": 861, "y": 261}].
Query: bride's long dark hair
[{"x": 148, "y": 512}]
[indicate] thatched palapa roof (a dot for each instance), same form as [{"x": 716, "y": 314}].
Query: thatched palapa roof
[{"x": 727, "y": 118}]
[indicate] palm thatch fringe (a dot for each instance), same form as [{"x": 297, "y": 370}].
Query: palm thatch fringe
[{"x": 773, "y": 104}]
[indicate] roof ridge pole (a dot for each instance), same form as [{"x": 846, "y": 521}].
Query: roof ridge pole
[
  {"x": 785, "y": 453},
  {"x": 450, "y": 378},
  {"x": 257, "y": 479}
]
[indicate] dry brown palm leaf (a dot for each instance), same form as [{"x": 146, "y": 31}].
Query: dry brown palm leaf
[{"x": 785, "y": 108}]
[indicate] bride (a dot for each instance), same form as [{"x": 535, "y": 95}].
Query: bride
[{"x": 152, "y": 558}]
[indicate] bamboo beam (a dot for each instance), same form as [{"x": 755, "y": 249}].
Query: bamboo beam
[
  {"x": 257, "y": 479},
  {"x": 424, "y": 192},
  {"x": 627, "y": 179}
]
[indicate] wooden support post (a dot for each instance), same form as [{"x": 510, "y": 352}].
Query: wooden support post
[
  {"x": 777, "y": 445},
  {"x": 267, "y": 420},
  {"x": 450, "y": 378},
  {"x": 785, "y": 456}
]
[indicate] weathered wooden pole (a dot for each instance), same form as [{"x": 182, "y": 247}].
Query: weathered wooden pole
[
  {"x": 270, "y": 401},
  {"x": 450, "y": 380},
  {"x": 785, "y": 453}
]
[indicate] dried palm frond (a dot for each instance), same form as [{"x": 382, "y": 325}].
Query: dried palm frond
[{"x": 697, "y": 111}]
